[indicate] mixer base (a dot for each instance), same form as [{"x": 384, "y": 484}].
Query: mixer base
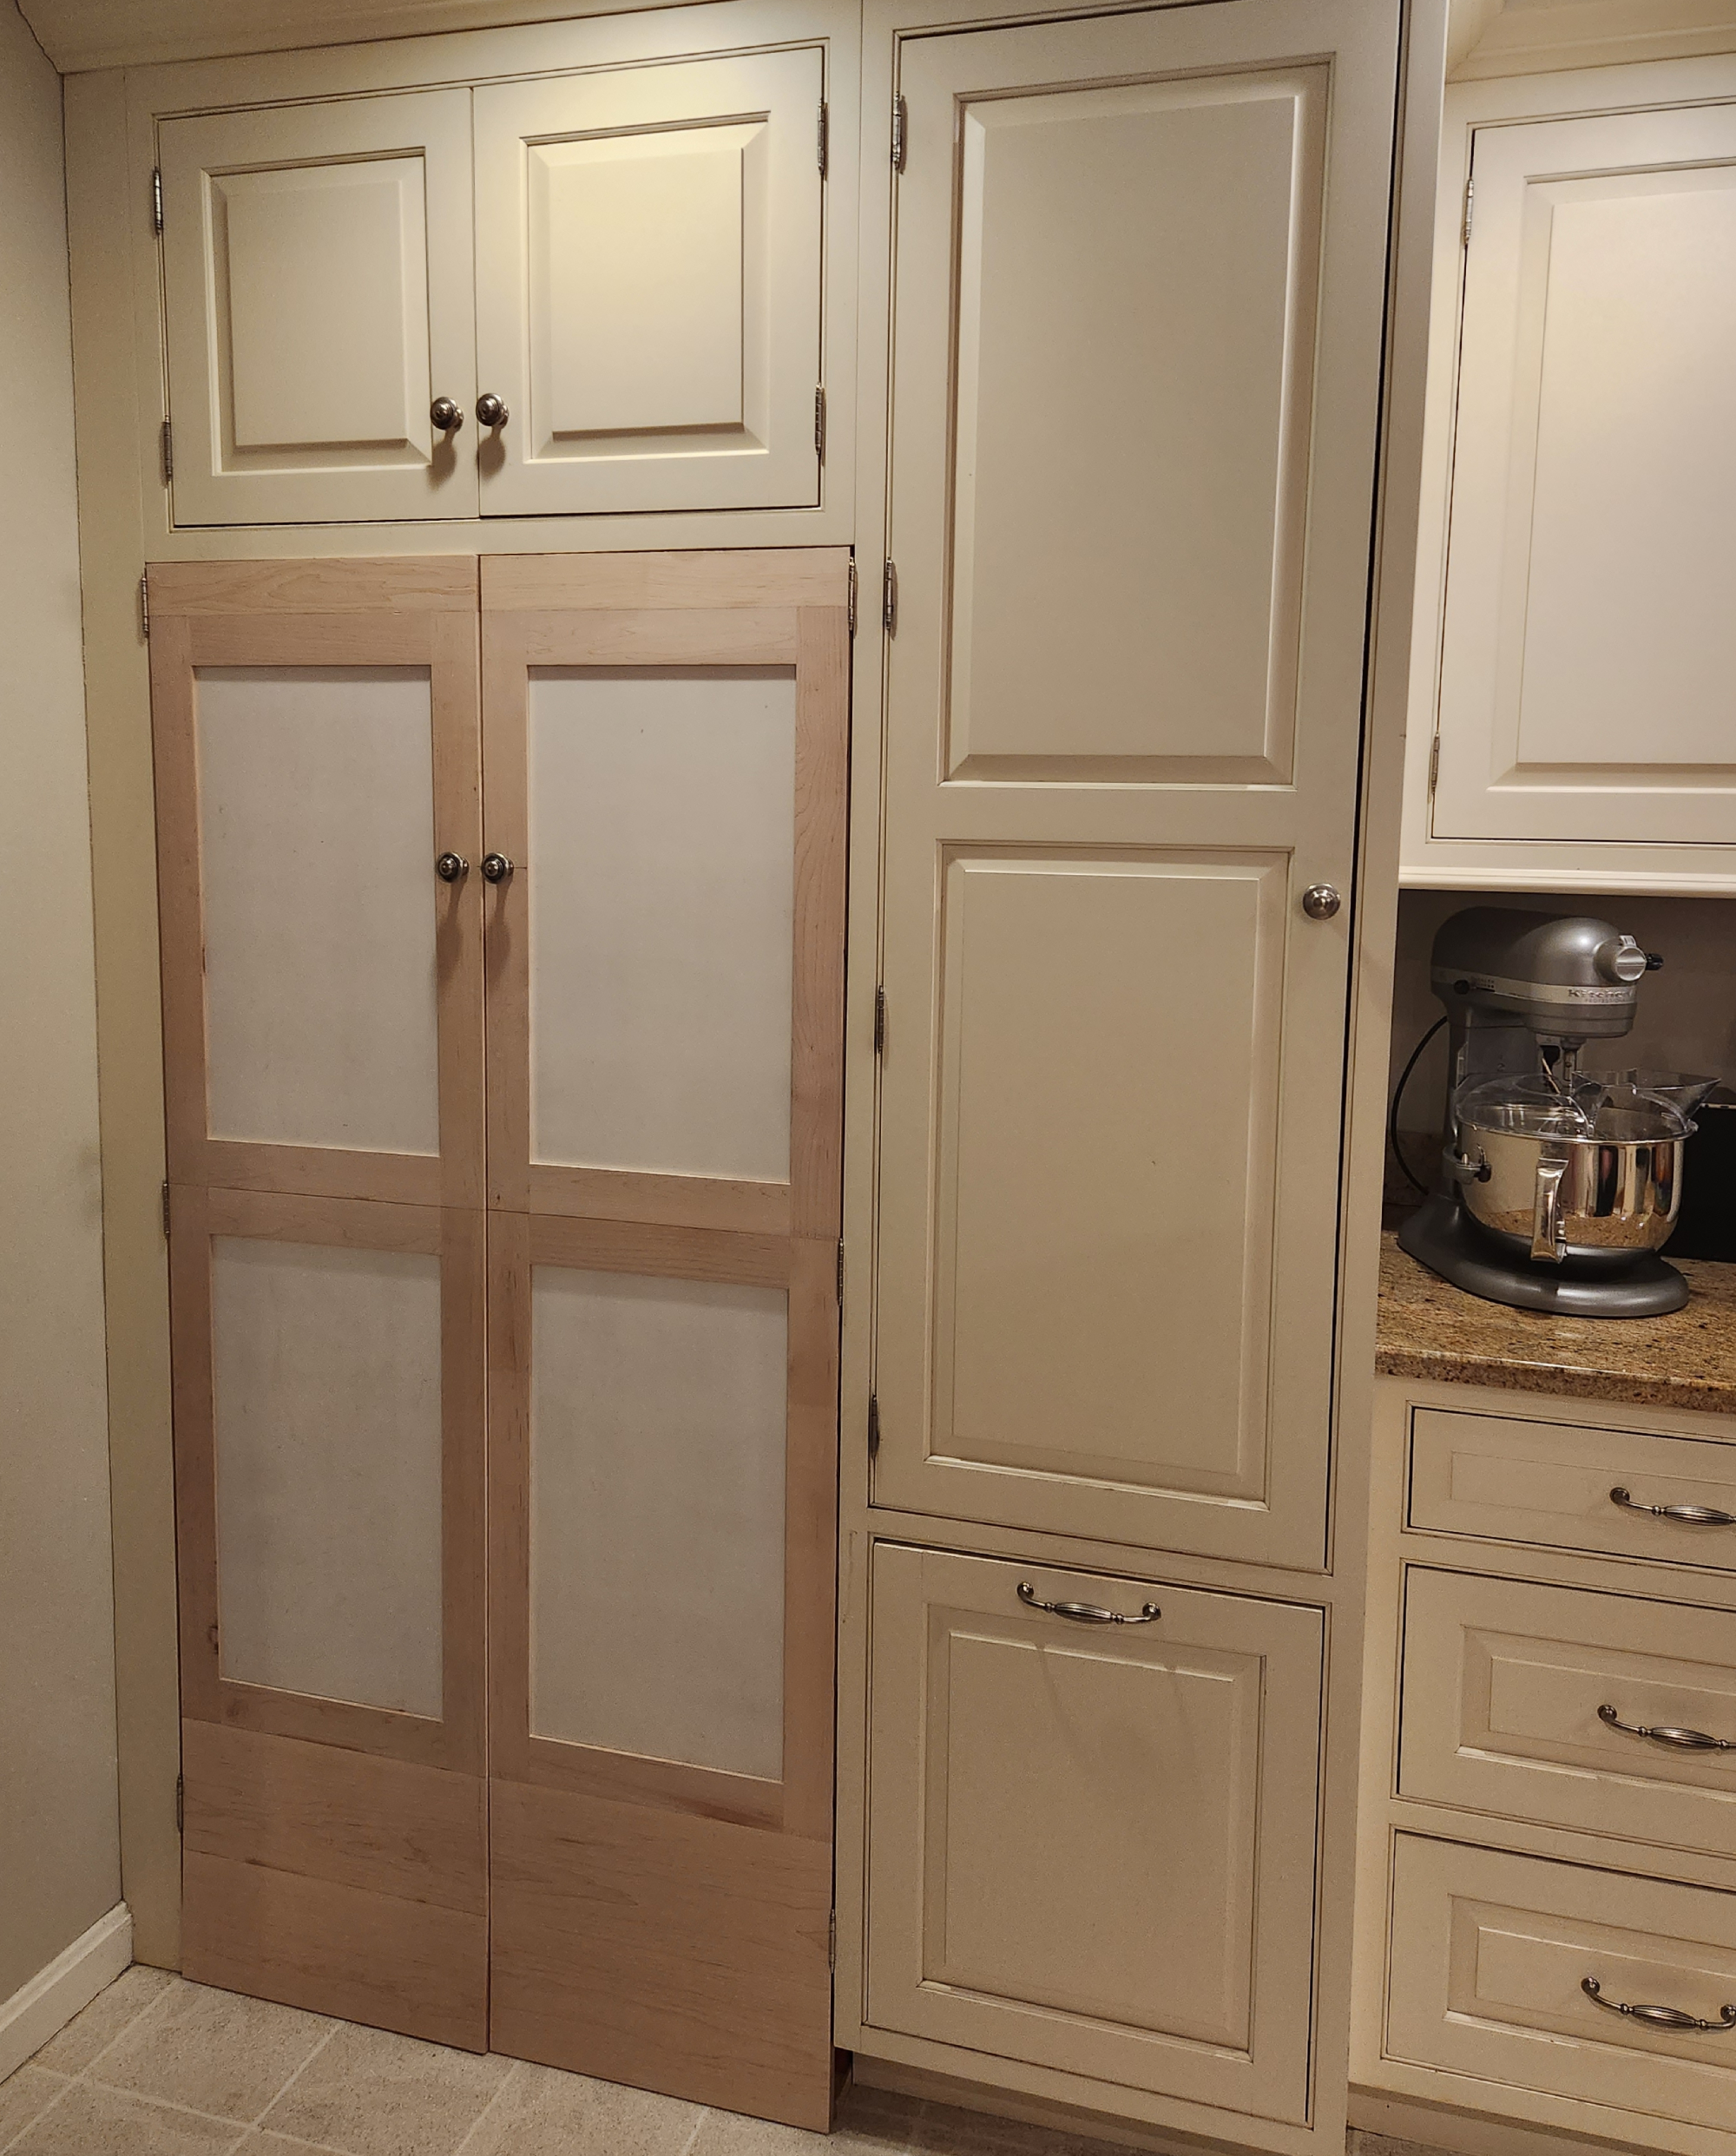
[{"x": 1439, "y": 1236}]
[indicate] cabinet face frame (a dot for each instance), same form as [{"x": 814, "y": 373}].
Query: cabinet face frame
[
  {"x": 118, "y": 242},
  {"x": 382, "y": 615},
  {"x": 1558, "y": 865}
]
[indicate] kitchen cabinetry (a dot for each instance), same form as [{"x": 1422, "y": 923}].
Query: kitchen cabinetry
[
  {"x": 1553, "y": 1599},
  {"x": 658, "y": 1116},
  {"x": 1571, "y": 726},
  {"x": 591, "y": 292}
]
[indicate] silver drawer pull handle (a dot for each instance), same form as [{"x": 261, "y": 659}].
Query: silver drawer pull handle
[
  {"x": 1686, "y": 1515},
  {"x": 1683, "y": 1740},
  {"x": 1085, "y": 1612},
  {"x": 1657, "y": 2016}
]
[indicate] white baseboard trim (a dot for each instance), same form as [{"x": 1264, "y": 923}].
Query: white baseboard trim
[{"x": 71, "y": 1981}]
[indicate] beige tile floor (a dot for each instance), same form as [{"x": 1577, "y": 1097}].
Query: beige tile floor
[{"x": 158, "y": 2066}]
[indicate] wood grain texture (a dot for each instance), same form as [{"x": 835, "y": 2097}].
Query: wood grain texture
[
  {"x": 680, "y": 1253},
  {"x": 667, "y": 1952},
  {"x": 761, "y": 576},
  {"x": 662, "y": 636},
  {"x": 696, "y": 1201},
  {"x": 417, "y": 1833},
  {"x": 431, "y": 583},
  {"x": 198, "y": 1217},
  {"x": 375, "y": 1958},
  {"x": 817, "y": 1001}
]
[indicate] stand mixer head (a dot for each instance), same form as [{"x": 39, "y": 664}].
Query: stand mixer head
[{"x": 1554, "y": 1190}]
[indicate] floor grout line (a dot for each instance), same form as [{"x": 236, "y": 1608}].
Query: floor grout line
[
  {"x": 499, "y": 2090},
  {"x": 284, "y": 2089},
  {"x": 705, "y": 2113}
]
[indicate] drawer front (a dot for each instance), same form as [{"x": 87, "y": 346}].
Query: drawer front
[
  {"x": 1091, "y": 1845},
  {"x": 1489, "y": 1954},
  {"x": 1503, "y": 1682},
  {"x": 1550, "y": 1483}
]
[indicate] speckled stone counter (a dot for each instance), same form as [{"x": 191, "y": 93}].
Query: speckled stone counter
[{"x": 1429, "y": 1329}]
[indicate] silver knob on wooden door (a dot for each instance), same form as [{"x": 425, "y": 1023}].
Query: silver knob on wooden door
[
  {"x": 1320, "y": 901},
  {"x": 451, "y": 866},
  {"x": 445, "y": 416},
  {"x": 496, "y": 867},
  {"x": 490, "y": 412}
]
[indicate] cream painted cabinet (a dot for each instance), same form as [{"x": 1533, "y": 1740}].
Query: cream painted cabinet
[
  {"x": 648, "y": 293},
  {"x": 1588, "y": 640},
  {"x": 317, "y": 298},
  {"x": 623, "y": 281},
  {"x": 1124, "y": 739},
  {"x": 1091, "y": 1847}
]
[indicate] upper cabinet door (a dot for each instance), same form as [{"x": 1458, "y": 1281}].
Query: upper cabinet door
[
  {"x": 318, "y": 289},
  {"x": 1589, "y": 637},
  {"x": 1139, "y": 288},
  {"x": 648, "y": 286}
]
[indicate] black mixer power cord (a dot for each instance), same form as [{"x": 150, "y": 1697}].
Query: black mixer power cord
[{"x": 1397, "y": 1095}]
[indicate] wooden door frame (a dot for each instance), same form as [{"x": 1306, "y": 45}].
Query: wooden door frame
[{"x": 419, "y": 614}]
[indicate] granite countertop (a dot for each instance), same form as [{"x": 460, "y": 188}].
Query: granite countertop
[{"x": 1429, "y": 1329}]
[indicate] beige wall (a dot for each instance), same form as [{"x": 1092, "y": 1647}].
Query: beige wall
[{"x": 59, "y": 1836}]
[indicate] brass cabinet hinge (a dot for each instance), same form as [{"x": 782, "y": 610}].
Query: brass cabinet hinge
[
  {"x": 820, "y": 141},
  {"x": 1470, "y": 200},
  {"x": 180, "y": 1804},
  {"x": 819, "y": 424},
  {"x": 873, "y": 1424},
  {"x": 145, "y": 605},
  {"x": 850, "y": 601},
  {"x": 157, "y": 200},
  {"x": 166, "y": 1211},
  {"x": 1434, "y": 766},
  {"x": 889, "y": 597},
  {"x": 898, "y": 125},
  {"x": 879, "y": 1022},
  {"x": 167, "y": 452}
]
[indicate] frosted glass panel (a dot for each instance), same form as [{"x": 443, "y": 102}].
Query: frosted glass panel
[
  {"x": 316, "y": 813},
  {"x": 327, "y": 1376},
  {"x": 662, "y": 854},
  {"x": 657, "y": 1517}
]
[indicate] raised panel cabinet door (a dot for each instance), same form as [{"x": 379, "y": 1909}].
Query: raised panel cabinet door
[
  {"x": 1138, "y": 298},
  {"x": 648, "y": 285},
  {"x": 317, "y": 285},
  {"x": 1091, "y": 1844},
  {"x": 1588, "y": 640},
  {"x": 318, "y": 825},
  {"x": 666, "y": 742},
  {"x": 329, "y": 1491}
]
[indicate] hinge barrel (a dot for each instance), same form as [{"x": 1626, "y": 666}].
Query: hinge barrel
[
  {"x": 1434, "y": 766},
  {"x": 180, "y": 1804},
  {"x": 840, "y": 1269},
  {"x": 157, "y": 198},
  {"x": 819, "y": 423},
  {"x": 849, "y": 602},
  {"x": 832, "y": 1942},
  {"x": 167, "y": 452},
  {"x": 873, "y": 1424},
  {"x": 166, "y": 1210},
  {"x": 879, "y": 1022},
  {"x": 145, "y": 605},
  {"x": 820, "y": 142},
  {"x": 889, "y": 597},
  {"x": 899, "y": 123},
  {"x": 1471, "y": 201}
]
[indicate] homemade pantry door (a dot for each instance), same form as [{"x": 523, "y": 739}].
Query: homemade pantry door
[
  {"x": 665, "y": 743},
  {"x": 1139, "y": 279},
  {"x": 317, "y": 808}
]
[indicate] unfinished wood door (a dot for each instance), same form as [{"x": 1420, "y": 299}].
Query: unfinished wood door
[
  {"x": 665, "y": 749},
  {"x": 648, "y": 285},
  {"x": 317, "y": 753},
  {"x": 1588, "y": 640},
  {"x": 318, "y": 297},
  {"x": 1123, "y": 739},
  {"x": 1092, "y": 1846},
  {"x": 330, "y": 1491}
]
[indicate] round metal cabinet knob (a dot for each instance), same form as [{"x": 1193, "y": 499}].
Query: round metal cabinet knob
[
  {"x": 1320, "y": 901},
  {"x": 444, "y": 416},
  {"x": 496, "y": 867},
  {"x": 451, "y": 866},
  {"x": 490, "y": 412}
]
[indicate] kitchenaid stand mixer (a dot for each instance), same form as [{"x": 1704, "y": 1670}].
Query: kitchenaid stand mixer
[{"x": 1540, "y": 1202}]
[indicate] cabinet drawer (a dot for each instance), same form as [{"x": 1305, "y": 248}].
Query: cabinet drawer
[
  {"x": 1092, "y": 1845},
  {"x": 1503, "y": 1682},
  {"x": 1489, "y": 1954},
  {"x": 1516, "y": 1481}
]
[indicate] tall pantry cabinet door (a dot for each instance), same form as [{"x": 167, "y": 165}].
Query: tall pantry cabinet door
[
  {"x": 1138, "y": 291},
  {"x": 317, "y": 291},
  {"x": 648, "y": 285},
  {"x": 1589, "y": 638},
  {"x": 319, "y": 822},
  {"x": 1094, "y": 1848},
  {"x": 666, "y": 745}
]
